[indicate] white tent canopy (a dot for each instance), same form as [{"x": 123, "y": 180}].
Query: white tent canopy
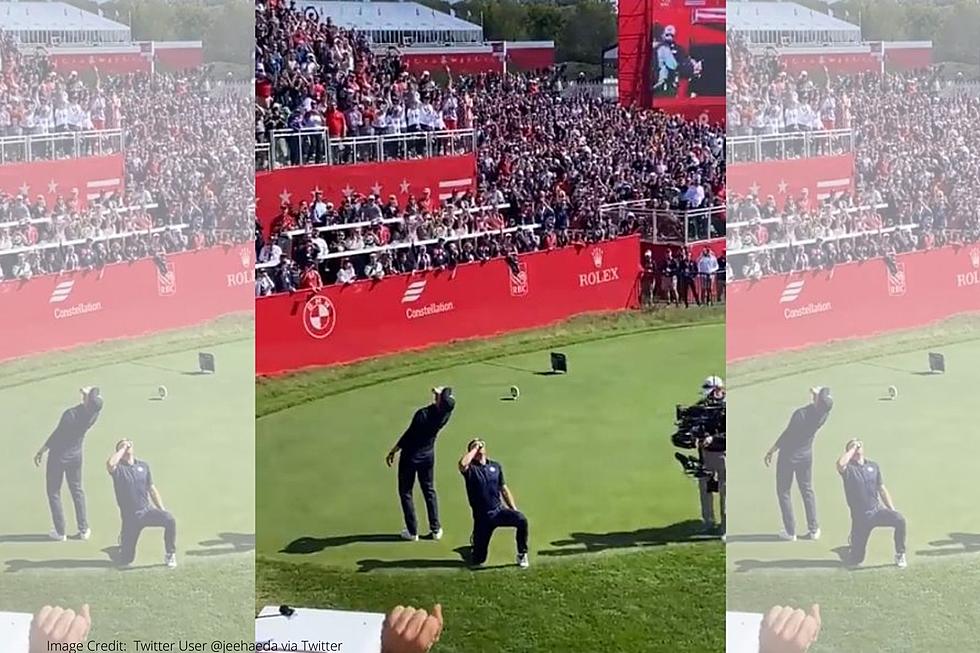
[
  {"x": 54, "y": 23},
  {"x": 788, "y": 24},
  {"x": 398, "y": 23}
]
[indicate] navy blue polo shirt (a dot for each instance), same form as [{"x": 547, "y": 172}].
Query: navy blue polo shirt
[
  {"x": 65, "y": 443},
  {"x": 484, "y": 484},
  {"x": 862, "y": 484},
  {"x": 418, "y": 443},
  {"x": 132, "y": 484}
]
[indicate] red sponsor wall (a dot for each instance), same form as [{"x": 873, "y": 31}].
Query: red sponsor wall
[
  {"x": 124, "y": 300},
  {"x": 366, "y": 319},
  {"x": 851, "y": 301},
  {"x": 841, "y": 62},
  {"x": 443, "y": 175},
  {"x": 786, "y": 178},
  {"x": 530, "y": 55},
  {"x": 90, "y": 175},
  {"x": 468, "y": 60},
  {"x": 114, "y": 60},
  {"x": 907, "y": 55},
  {"x": 178, "y": 55}
]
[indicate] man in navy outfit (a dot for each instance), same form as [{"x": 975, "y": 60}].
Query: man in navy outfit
[
  {"x": 140, "y": 505},
  {"x": 870, "y": 503},
  {"x": 418, "y": 459},
  {"x": 64, "y": 448},
  {"x": 491, "y": 501}
]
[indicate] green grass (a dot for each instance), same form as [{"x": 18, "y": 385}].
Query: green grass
[
  {"x": 615, "y": 562},
  {"x": 922, "y": 442},
  {"x": 199, "y": 443}
]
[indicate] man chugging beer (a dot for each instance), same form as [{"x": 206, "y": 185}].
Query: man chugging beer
[
  {"x": 795, "y": 447},
  {"x": 64, "y": 449},
  {"x": 418, "y": 458}
]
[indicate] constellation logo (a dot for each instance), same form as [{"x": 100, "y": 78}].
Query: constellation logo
[
  {"x": 61, "y": 292},
  {"x": 791, "y": 293},
  {"x": 413, "y": 292}
]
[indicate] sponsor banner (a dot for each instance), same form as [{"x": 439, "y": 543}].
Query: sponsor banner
[
  {"x": 124, "y": 300},
  {"x": 442, "y": 175},
  {"x": 120, "y": 61},
  {"x": 824, "y": 176},
  {"x": 341, "y": 324},
  {"x": 838, "y": 63},
  {"x": 851, "y": 301},
  {"x": 90, "y": 176}
]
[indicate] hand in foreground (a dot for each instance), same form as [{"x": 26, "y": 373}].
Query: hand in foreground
[
  {"x": 411, "y": 630},
  {"x": 54, "y": 625},
  {"x": 788, "y": 630}
]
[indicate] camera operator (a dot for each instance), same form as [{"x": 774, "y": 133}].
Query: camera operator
[{"x": 712, "y": 453}]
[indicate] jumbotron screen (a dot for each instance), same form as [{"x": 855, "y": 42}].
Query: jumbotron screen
[{"x": 687, "y": 57}]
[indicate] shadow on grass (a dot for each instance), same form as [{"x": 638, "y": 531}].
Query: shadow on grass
[
  {"x": 224, "y": 544},
  {"x": 955, "y": 544},
  {"x": 25, "y": 538},
  {"x": 308, "y": 545},
  {"x": 464, "y": 553},
  {"x": 578, "y": 543},
  {"x": 111, "y": 552},
  {"x": 743, "y": 566},
  {"x": 752, "y": 537}
]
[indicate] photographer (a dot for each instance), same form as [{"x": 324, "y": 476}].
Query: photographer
[
  {"x": 712, "y": 452},
  {"x": 702, "y": 427}
]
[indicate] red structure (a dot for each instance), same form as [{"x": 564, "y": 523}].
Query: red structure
[
  {"x": 124, "y": 300},
  {"x": 442, "y": 175},
  {"x": 855, "y": 300},
  {"x": 481, "y": 58},
  {"x": 89, "y": 175},
  {"x": 140, "y": 57},
  {"x": 866, "y": 57},
  {"x": 822, "y": 176},
  {"x": 342, "y": 324},
  {"x": 700, "y": 32}
]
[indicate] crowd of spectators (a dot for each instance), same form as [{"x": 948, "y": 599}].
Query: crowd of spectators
[
  {"x": 916, "y": 160},
  {"x": 312, "y": 74},
  {"x": 188, "y": 174},
  {"x": 543, "y": 161}
]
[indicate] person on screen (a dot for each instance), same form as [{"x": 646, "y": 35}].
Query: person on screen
[
  {"x": 795, "y": 447},
  {"x": 673, "y": 63},
  {"x": 870, "y": 504},
  {"x": 55, "y": 628},
  {"x": 140, "y": 505},
  {"x": 492, "y": 503},
  {"x": 418, "y": 459},
  {"x": 64, "y": 448}
]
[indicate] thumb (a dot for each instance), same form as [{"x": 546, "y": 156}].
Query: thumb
[{"x": 815, "y": 613}]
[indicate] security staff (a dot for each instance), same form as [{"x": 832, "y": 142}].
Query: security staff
[
  {"x": 870, "y": 503},
  {"x": 492, "y": 503},
  {"x": 140, "y": 504},
  {"x": 795, "y": 447},
  {"x": 418, "y": 458},
  {"x": 64, "y": 448}
]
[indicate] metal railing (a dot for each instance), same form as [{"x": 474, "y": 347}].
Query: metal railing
[
  {"x": 288, "y": 148},
  {"x": 795, "y": 145},
  {"x": 735, "y": 247},
  {"x": 95, "y": 239},
  {"x": 670, "y": 226},
  {"x": 24, "y": 148}
]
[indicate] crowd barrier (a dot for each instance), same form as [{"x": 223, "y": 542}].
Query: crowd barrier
[
  {"x": 822, "y": 175},
  {"x": 442, "y": 175},
  {"x": 855, "y": 300},
  {"x": 341, "y": 324},
  {"x": 90, "y": 175},
  {"x": 124, "y": 300}
]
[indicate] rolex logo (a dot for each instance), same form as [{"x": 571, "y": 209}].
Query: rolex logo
[
  {"x": 597, "y": 257},
  {"x": 975, "y": 257},
  {"x": 246, "y": 257}
]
